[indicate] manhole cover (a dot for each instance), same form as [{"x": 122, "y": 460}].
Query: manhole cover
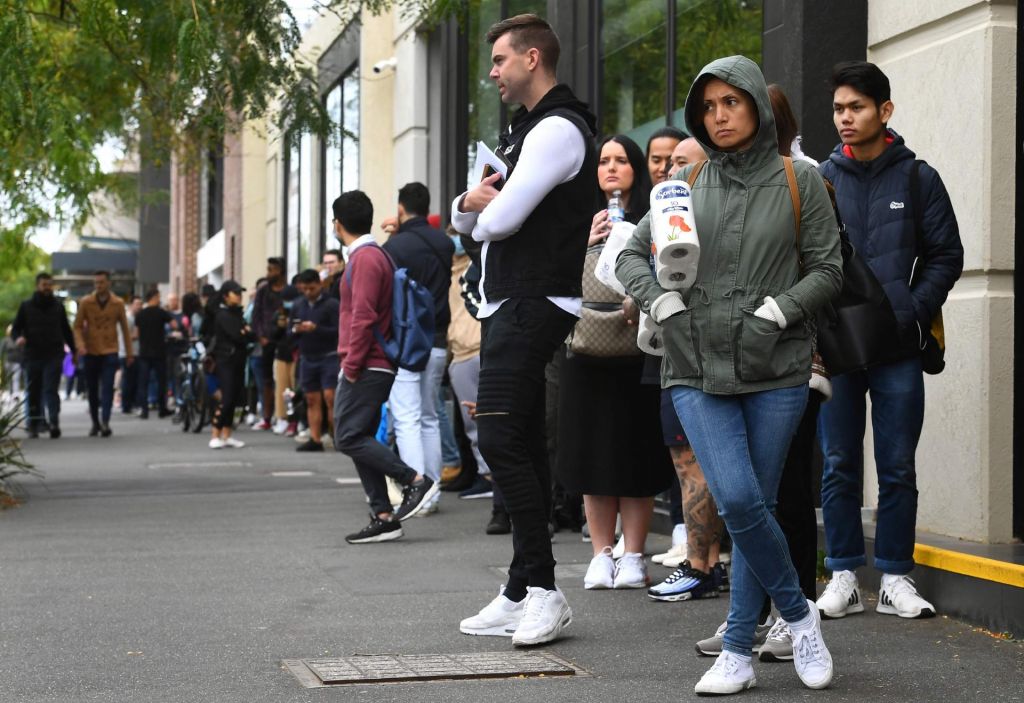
[{"x": 393, "y": 668}]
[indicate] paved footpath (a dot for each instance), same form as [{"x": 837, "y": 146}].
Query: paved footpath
[{"x": 149, "y": 568}]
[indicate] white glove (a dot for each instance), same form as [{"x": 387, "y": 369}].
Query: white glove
[
  {"x": 769, "y": 311},
  {"x": 666, "y": 305}
]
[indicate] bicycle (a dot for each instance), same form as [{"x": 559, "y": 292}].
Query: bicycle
[{"x": 196, "y": 408}]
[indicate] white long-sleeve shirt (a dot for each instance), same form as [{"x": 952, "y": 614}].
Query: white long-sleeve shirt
[{"x": 552, "y": 154}]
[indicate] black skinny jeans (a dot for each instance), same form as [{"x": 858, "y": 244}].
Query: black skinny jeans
[
  {"x": 518, "y": 341},
  {"x": 231, "y": 376}
]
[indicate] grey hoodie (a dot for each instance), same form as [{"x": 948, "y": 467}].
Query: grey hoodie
[{"x": 748, "y": 251}]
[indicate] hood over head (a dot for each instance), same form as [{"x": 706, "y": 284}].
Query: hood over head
[{"x": 739, "y": 72}]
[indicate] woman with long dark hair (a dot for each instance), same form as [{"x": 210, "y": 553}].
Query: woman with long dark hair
[{"x": 609, "y": 434}]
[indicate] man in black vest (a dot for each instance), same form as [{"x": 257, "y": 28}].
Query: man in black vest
[{"x": 534, "y": 234}]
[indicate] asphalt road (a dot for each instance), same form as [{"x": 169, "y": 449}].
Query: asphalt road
[{"x": 149, "y": 568}]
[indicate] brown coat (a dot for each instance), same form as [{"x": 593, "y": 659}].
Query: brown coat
[
  {"x": 464, "y": 329},
  {"x": 96, "y": 326}
]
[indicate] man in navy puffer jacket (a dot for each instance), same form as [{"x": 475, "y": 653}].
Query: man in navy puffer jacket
[{"x": 872, "y": 174}]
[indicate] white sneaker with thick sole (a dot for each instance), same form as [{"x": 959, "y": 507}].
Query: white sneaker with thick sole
[
  {"x": 810, "y": 655},
  {"x": 899, "y": 596},
  {"x": 841, "y": 596},
  {"x": 233, "y": 443},
  {"x": 499, "y": 618},
  {"x": 729, "y": 674},
  {"x": 216, "y": 443},
  {"x": 546, "y": 614},
  {"x": 678, "y": 542},
  {"x": 676, "y": 556},
  {"x": 631, "y": 572},
  {"x": 280, "y": 426},
  {"x": 619, "y": 549},
  {"x": 601, "y": 572}
]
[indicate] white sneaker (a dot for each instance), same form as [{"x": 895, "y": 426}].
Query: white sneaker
[
  {"x": 500, "y": 617},
  {"x": 302, "y": 436},
  {"x": 619, "y": 549},
  {"x": 280, "y": 426},
  {"x": 233, "y": 443},
  {"x": 841, "y": 596},
  {"x": 216, "y": 443},
  {"x": 250, "y": 419},
  {"x": 676, "y": 556},
  {"x": 631, "y": 572},
  {"x": 545, "y": 616},
  {"x": 678, "y": 540},
  {"x": 601, "y": 572},
  {"x": 729, "y": 674},
  {"x": 810, "y": 655},
  {"x": 899, "y": 596}
]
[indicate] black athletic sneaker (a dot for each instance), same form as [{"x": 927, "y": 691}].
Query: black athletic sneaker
[
  {"x": 54, "y": 432},
  {"x": 415, "y": 496},
  {"x": 95, "y": 431},
  {"x": 105, "y": 431},
  {"x": 310, "y": 446},
  {"x": 721, "y": 575},
  {"x": 499, "y": 524},
  {"x": 377, "y": 531}
]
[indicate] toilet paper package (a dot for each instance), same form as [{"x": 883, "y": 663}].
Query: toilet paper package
[
  {"x": 648, "y": 337},
  {"x": 613, "y": 246},
  {"x": 674, "y": 240}
]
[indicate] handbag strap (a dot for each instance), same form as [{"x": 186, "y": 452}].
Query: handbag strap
[{"x": 692, "y": 178}]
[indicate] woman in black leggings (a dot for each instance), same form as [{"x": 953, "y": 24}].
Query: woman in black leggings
[{"x": 231, "y": 337}]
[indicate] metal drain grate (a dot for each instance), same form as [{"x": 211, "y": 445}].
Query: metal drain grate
[{"x": 394, "y": 668}]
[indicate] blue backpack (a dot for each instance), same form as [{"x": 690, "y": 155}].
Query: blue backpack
[{"x": 412, "y": 321}]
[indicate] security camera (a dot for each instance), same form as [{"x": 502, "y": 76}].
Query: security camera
[{"x": 385, "y": 64}]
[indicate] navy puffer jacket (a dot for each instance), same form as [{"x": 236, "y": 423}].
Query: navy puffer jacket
[{"x": 875, "y": 203}]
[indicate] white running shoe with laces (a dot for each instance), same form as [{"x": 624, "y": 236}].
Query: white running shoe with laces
[
  {"x": 729, "y": 674},
  {"x": 631, "y": 572},
  {"x": 678, "y": 545},
  {"x": 546, "y": 614},
  {"x": 233, "y": 443},
  {"x": 601, "y": 572},
  {"x": 810, "y": 655},
  {"x": 500, "y": 618},
  {"x": 898, "y": 596},
  {"x": 841, "y": 596},
  {"x": 217, "y": 443}
]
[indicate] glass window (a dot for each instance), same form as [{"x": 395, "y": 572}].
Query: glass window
[
  {"x": 293, "y": 165},
  {"x": 350, "y": 135},
  {"x": 305, "y": 203},
  {"x": 709, "y": 30},
  {"x": 634, "y": 66},
  {"x": 341, "y": 152},
  {"x": 332, "y": 159}
]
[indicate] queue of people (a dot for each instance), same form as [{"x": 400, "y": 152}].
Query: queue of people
[{"x": 553, "y": 394}]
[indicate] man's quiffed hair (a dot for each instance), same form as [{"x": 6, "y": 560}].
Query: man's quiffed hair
[
  {"x": 102, "y": 272},
  {"x": 354, "y": 211},
  {"x": 336, "y": 253},
  {"x": 864, "y": 77},
  {"x": 529, "y": 32},
  {"x": 415, "y": 198},
  {"x": 43, "y": 276},
  {"x": 308, "y": 276}
]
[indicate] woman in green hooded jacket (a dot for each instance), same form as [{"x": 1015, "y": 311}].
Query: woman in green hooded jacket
[{"x": 737, "y": 349}]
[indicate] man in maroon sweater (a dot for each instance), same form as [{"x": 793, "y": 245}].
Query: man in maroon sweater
[{"x": 367, "y": 375}]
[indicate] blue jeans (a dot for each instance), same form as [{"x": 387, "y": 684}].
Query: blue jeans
[
  {"x": 43, "y": 390},
  {"x": 897, "y": 413},
  {"x": 449, "y": 447},
  {"x": 741, "y": 442},
  {"x": 99, "y": 379}
]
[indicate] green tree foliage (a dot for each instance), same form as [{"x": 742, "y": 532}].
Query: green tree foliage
[
  {"x": 17, "y": 279},
  {"x": 75, "y": 74}
]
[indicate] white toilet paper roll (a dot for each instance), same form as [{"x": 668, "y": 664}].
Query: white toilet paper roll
[
  {"x": 613, "y": 246},
  {"x": 674, "y": 239},
  {"x": 648, "y": 337}
]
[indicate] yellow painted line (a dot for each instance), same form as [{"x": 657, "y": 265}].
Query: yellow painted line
[{"x": 970, "y": 565}]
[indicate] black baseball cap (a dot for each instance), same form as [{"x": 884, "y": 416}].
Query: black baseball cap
[{"x": 231, "y": 286}]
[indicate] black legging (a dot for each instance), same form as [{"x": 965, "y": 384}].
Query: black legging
[{"x": 231, "y": 376}]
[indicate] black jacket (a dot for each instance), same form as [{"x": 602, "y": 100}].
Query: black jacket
[
  {"x": 42, "y": 321},
  {"x": 427, "y": 254},
  {"x": 545, "y": 257},
  {"x": 230, "y": 336},
  {"x": 323, "y": 341}
]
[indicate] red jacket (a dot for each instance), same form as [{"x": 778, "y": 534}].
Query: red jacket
[{"x": 366, "y": 298}]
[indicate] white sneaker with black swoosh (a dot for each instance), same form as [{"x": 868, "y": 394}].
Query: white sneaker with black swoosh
[
  {"x": 899, "y": 596},
  {"x": 841, "y": 596}
]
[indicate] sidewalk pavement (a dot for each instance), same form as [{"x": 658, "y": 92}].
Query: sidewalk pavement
[{"x": 150, "y": 568}]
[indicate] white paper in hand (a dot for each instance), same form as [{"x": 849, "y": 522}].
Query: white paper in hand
[{"x": 485, "y": 157}]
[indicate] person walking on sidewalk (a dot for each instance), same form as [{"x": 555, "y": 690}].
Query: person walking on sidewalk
[
  {"x": 427, "y": 254},
  {"x": 41, "y": 330},
  {"x": 917, "y": 257},
  {"x": 314, "y": 324},
  {"x": 100, "y": 315},
  {"x": 535, "y": 240},
  {"x": 367, "y": 375},
  {"x": 267, "y": 306},
  {"x": 231, "y": 337},
  {"x": 737, "y": 351},
  {"x": 150, "y": 324}
]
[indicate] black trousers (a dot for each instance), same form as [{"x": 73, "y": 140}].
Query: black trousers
[
  {"x": 795, "y": 508},
  {"x": 356, "y": 419},
  {"x": 517, "y": 342},
  {"x": 231, "y": 377}
]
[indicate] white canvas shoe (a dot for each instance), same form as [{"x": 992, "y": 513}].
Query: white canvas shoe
[
  {"x": 546, "y": 615},
  {"x": 233, "y": 443},
  {"x": 811, "y": 657},
  {"x": 499, "y": 618},
  {"x": 729, "y": 674},
  {"x": 216, "y": 443}
]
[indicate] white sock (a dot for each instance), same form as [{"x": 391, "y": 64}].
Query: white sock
[
  {"x": 803, "y": 624},
  {"x": 745, "y": 658}
]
